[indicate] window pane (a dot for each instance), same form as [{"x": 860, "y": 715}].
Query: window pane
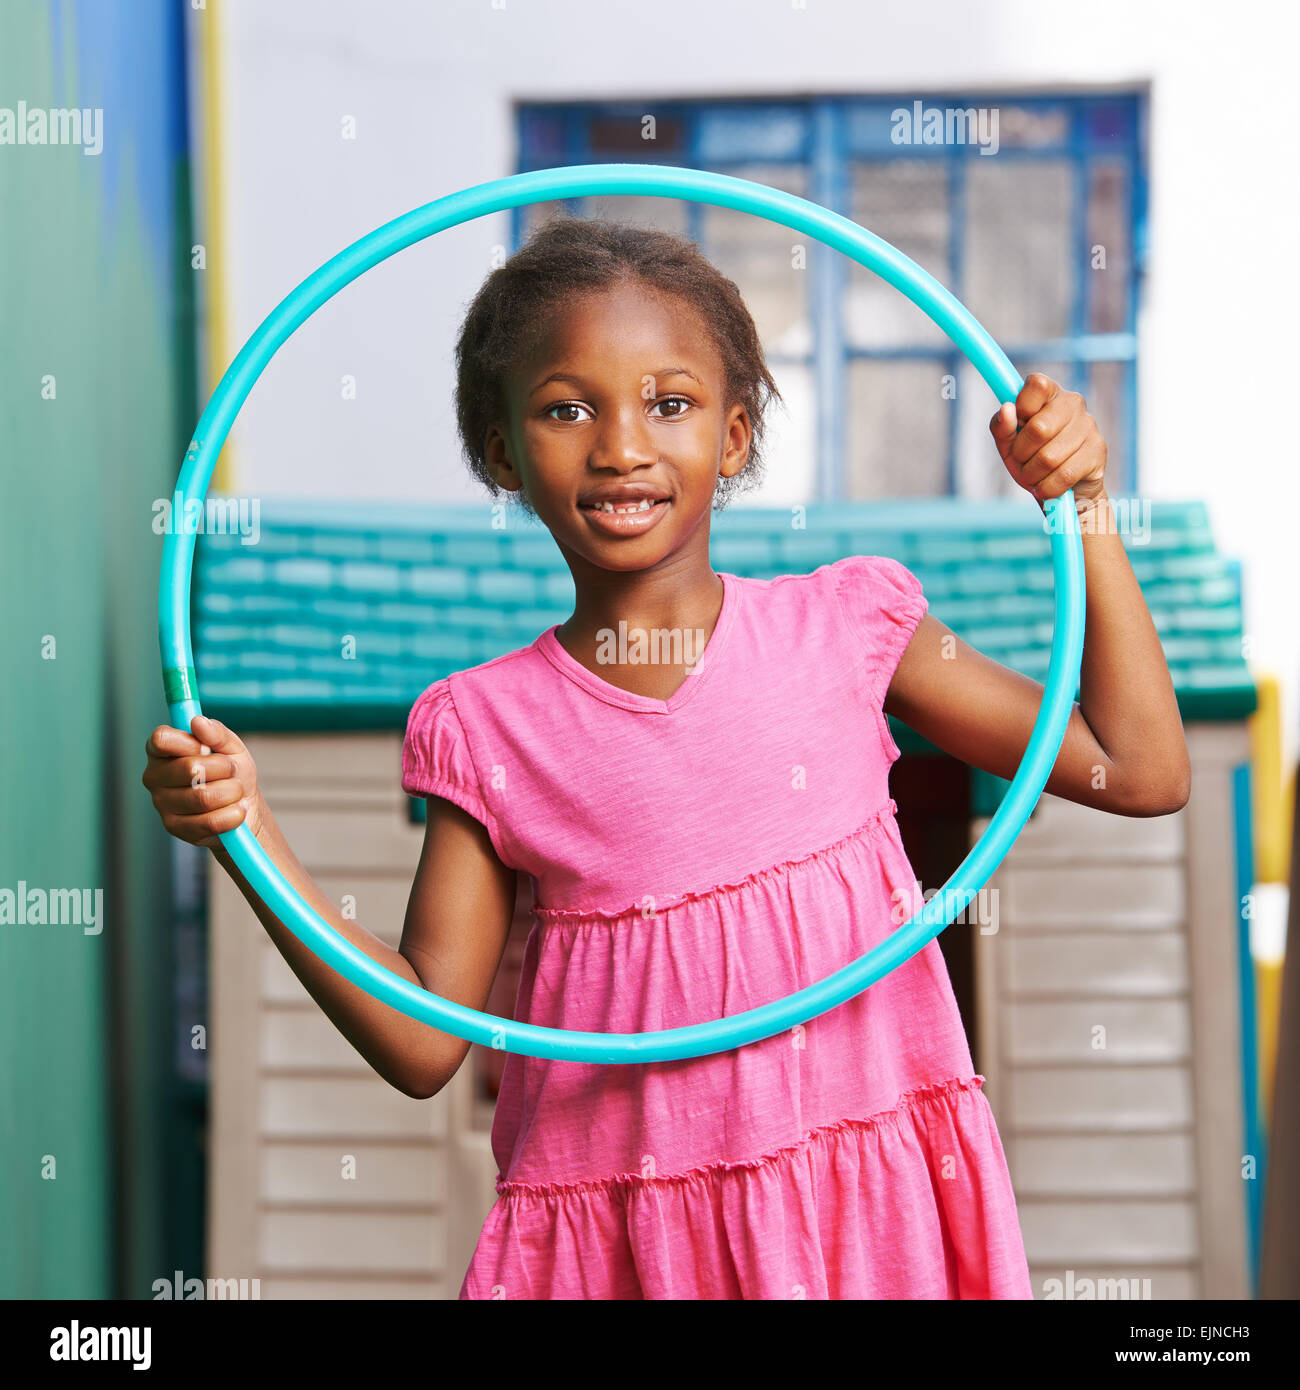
[
  {"x": 1106, "y": 405},
  {"x": 904, "y": 202},
  {"x": 1014, "y": 246},
  {"x": 879, "y": 126},
  {"x": 1109, "y": 252},
  {"x": 541, "y": 138},
  {"x": 751, "y": 132},
  {"x": 1111, "y": 123},
  {"x": 789, "y": 441},
  {"x": 663, "y": 214},
  {"x": 896, "y": 443},
  {"x": 980, "y": 470},
  {"x": 1020, "y": 271},
  {"x": 759, "y": 256},
  {"x": 627, "y": 136},
  {"x": 537, "y": 213},
  {"x": 1032, "y": 127}
]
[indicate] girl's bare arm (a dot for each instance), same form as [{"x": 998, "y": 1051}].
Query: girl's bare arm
[
  {"x": 453, "y": 938},
  {"x": 1124, "y": 749},
  {"x": 457, "y": 918}
]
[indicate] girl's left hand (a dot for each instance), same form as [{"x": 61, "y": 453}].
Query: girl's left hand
[{"x": 1050, "y": 443}]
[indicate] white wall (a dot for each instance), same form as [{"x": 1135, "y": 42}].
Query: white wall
[{"x": 430, "y": 88}]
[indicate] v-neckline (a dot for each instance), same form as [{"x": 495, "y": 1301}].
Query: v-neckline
[{"x": 568, "y": 665}]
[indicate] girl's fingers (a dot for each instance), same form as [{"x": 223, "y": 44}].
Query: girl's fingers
[
  {"x": 1039, "y": 429},
  {"x": 195, "y": 790},
  {"x": 1055, "y": 452},
  {"x": 188, "y": 771},
  {"x": 203, "y": 830},
  {"x": 198, "y": 801},
  {"x": 1038, "y": 390},
  {"x": 1003, "y": 428},
  {"x": 219, "y": 738},
  {"x": 166, "y": 742}
]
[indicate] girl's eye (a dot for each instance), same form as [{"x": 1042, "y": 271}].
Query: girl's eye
[
  {"x": 682, "y": 402},
  {"x": 565, "y": 405}
]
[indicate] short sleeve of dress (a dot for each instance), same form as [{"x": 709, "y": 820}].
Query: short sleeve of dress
[
  {"x": 435, "y": 755},
  {"x": 882, "y": 602}
]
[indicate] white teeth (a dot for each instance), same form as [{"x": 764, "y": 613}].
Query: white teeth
[{"x": 643, "y": 505}]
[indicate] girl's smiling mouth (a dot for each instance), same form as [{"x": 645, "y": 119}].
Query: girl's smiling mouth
[
  {"x": 633, "y": 517},
  {"x": 624, "y": 509}
]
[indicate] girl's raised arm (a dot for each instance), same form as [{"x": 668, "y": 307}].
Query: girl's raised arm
[{"x": 1124, "y": 749}]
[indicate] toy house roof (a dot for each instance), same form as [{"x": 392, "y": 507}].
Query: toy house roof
[{"x": 340, "y": 614}]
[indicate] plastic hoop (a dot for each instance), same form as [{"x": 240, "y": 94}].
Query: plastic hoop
[{"x": 181, "y": 686}]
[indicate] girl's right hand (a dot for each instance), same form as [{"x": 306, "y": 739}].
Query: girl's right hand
[{"x": 203, "y": 783}]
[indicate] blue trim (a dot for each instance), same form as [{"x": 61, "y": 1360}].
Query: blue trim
[
  {"x": 829, "y": 282},
  {"x": 1139, "y": 206},
  {"x": 1092, "y": 347},
  {"x": 100, "y": 53},
  {"x": 956, "y": 282},
  {"x": 575, "y": 152},
  {"x": 839, "y": 129},
  {"x": 694, "y": 211},
  {"x": 1254, "y": 1133},
  {"x": 1137, "y": 280},
  {"x": 1081, "y": 290}
]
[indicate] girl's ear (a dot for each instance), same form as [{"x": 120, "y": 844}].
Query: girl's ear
[
  {"x": 739, "y": 439},
  {"x": 497, "y": 459}
]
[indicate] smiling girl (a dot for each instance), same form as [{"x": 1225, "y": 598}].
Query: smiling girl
[{"x": 704, "y": 836}]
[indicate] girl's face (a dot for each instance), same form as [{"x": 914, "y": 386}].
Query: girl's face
[{"x": 621, "y": 405}]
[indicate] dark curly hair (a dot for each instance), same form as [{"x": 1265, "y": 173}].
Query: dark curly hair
[{"x": 568, "y": 256}]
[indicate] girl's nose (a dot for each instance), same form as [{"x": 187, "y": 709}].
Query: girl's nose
[{"x": 624, "y": 444}]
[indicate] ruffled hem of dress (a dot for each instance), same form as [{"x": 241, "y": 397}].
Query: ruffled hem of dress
[
  {"x": 911, "y": 1203},
  {"x": 545, "y": 915},
  {"x": 931, "y": 1093}
]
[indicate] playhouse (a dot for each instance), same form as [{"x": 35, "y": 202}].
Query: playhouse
[{"x": 1104, "y": 976}]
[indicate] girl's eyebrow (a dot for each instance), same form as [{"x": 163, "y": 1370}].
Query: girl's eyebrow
[{"x": 578, "y": 381}]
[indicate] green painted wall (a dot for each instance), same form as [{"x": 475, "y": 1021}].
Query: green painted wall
[{"x": 96, "y": 399}]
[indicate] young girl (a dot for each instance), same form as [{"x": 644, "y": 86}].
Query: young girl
[{"x": 707, "y": 824}]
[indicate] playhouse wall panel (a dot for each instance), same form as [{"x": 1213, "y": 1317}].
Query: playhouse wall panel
[
  {"x": 327, "y": 1182},
  {"x": 367, "y": 1242},
  {"x": 1100, "y": 1032},
  {"x": 359, "y": 1175},
  {"x": 1093, "y": 1165},
  {"x": 1107, "y": 1032},
  {"x": 1085, "y": 1100},
  {"x": 1101, "y": 895},
  {"x": 1135, "y": 1232},
  {"x": 313, "y": 1106},
  {"x": 1142, "y": 963}
]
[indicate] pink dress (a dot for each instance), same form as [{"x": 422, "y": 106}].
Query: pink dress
[{"x": 692, "y": 858}]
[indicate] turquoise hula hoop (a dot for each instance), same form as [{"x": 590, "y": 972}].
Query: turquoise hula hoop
[{"x": 719, "y": 190}]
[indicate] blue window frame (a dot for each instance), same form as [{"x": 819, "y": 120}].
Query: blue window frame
[{"x": 1043, "y": 238}]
